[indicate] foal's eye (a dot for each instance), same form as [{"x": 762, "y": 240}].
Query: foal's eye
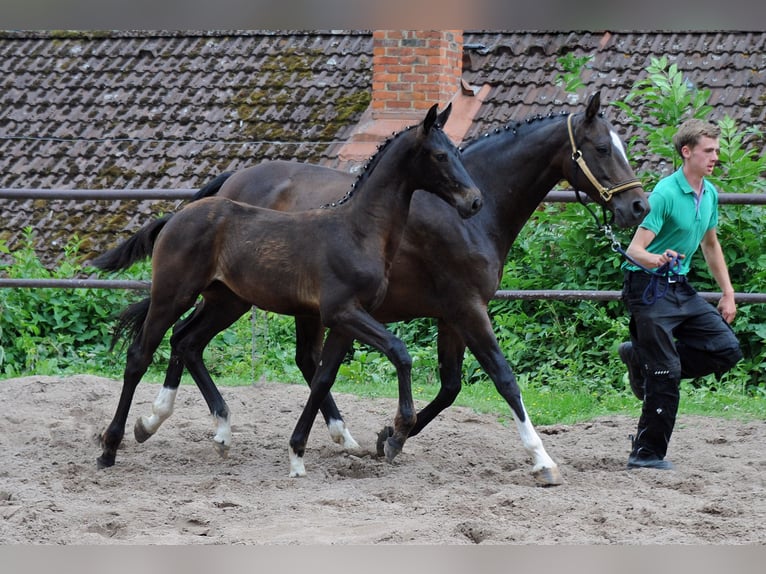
[
  {"x": 441, "y": 157},
  {"x": 603, "y": 149}
]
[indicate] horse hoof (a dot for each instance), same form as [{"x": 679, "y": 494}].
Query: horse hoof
[
  {"x": 548, "y": 476},
  {"x": 392, "y": 448},
  {"x": 382, "y": 438},
  {"x": 140, "y": 432},
  {"x": 222, "y": 449},
  {"x": 104, "y": 461}
]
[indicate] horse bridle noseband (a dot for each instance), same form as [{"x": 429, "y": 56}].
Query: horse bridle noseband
[{"x": 606, "y": 193}]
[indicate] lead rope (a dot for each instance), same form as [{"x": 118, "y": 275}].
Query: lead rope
[{"x": 655, "y": 289}]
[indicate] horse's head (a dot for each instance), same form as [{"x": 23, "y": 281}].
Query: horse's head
[
  {"x": 600, "y": 167},
  {"x": 441, "y": 169}
]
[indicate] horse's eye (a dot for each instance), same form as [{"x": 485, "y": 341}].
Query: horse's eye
[
  {"x": 441, "y": 157},
  {"x": 603, "y": 149}
]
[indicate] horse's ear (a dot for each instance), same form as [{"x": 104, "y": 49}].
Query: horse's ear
[
  {"x": 431, "y": 118},
  {"x": 594, "y": 103},
  {"x": 441, "y": 121}
]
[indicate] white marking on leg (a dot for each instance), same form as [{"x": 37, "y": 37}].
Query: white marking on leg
[
  {"x": 162, "y": 408},
  {"x": 341, "y": 435},
  {"x": 297, "y": 467},
  {"x": 543, "y": 465},
  {"x": 222, "y": 436},
  {"x": 618, "y": 144}
]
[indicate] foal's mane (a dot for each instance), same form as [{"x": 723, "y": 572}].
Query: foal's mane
[{"x": 369, "y": 167}]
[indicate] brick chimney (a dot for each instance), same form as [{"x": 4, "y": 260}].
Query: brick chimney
[
  {"x": 411, "y": 71},
  {"x": 414, "y": 69}
]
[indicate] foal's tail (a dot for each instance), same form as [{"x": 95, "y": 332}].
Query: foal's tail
[
  {"x": 140, "y": 245},
  {"x": 134, "y": 248},
  {"x": 130, "y": 323}
]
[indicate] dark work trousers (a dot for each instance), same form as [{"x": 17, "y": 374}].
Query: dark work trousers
[{"x": 678, "y": 336}]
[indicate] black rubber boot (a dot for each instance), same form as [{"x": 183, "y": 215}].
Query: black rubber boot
[{"x": 642, "y": 457}]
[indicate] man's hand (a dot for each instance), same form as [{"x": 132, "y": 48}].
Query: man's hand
[{"x": 727, "y": 307}]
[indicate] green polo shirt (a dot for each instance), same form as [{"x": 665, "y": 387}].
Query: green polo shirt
[{"x": 678, "y": 219}]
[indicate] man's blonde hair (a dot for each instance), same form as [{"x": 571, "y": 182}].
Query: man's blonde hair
[{"x": 690, "y": 132}]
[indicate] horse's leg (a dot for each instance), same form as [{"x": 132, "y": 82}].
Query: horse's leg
[
  {"x": 451, "y": 349},
  {"x": 334, "y": 350},
  {"x": 361, "y": 325},
  {"x": 309, "y": 333},
  {"x": 483, "y": 344}
]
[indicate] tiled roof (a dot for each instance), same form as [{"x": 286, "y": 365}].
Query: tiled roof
[
  {"x": 163, "y": 110},
  {"x": 149, "y": 110}
]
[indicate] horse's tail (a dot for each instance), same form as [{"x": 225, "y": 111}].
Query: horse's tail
[
  {"x": 140, "y": 245},
  {"x": 213, "y": 187},
  {"x": 130, "y": 323},
  {"x": 135, "y": 248}
]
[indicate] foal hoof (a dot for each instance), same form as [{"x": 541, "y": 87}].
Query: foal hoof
[
  {"x": 382, "y": 438},
  {"x": 548, "y": 476},
  {"x": 140, "y": 432}
]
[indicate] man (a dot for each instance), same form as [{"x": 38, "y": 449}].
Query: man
[{"x": 675, "y": 333}]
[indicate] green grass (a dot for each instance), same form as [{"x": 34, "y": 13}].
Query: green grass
[
  {"x": 567, "y": 391},
  {"x": 368, "y": 374}
]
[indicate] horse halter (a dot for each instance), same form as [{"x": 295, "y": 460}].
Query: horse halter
[{"x": 605, "y": 192}]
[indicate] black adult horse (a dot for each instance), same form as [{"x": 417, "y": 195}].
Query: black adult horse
[
  {"x": 332, "y": 264},
  {"x": 445, "y": 268}
]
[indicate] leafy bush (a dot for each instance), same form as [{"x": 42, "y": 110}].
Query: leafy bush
[{"x": 46, "y": 330}]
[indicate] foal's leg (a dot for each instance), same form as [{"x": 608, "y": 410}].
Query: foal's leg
[
  {"x": 157, "y": 320},
  {"x": 217, "y": 312},
  {"x": 162, "y": 407},
  {"x": 349, "y": 325},
  {"x": 334, "y": 350},
  {"x": 309, "y": 333},
  {"x": 190, "y": 337},
  {"x": 137, "y": 362},
  {"x": 483, "y": 344}
]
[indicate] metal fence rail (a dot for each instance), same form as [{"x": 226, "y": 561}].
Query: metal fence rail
[
  {"x": 180, "y": 194},
  {"x": 563, "y": 196},
  {"x": 527, "y": 295}
]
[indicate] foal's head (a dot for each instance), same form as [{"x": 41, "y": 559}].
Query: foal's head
[{"x": 440, "y": 168}]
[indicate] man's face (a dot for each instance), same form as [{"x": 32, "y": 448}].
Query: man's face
[{"x": 703, "y": 157}]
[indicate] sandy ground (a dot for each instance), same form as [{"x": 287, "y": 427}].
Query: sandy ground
[{"x": 464, "y": 480}]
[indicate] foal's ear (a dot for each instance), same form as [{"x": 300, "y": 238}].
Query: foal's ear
[
  {"x": 594, "y": 103},
  {"x": 441, "y": 120},
  {"x": 430, "y": 120}
]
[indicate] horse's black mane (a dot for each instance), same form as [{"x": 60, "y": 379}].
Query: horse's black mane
[
  {"x": 517, "y": 127},
  {"x": 369, "y": 167}
]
